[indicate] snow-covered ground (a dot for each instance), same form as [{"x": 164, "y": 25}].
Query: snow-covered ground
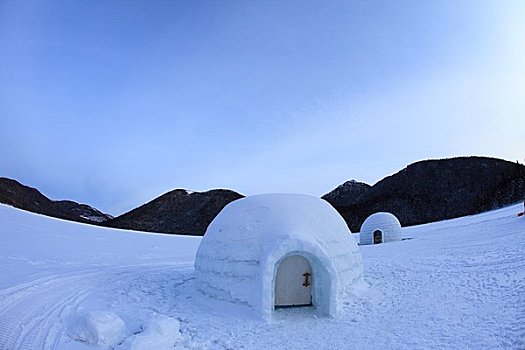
[{"x": 457, "y": 284}]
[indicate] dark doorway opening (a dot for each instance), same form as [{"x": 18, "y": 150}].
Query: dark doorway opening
[{"x": 378, "y": 237}]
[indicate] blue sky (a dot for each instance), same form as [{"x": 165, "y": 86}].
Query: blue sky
[{"x": 114, "y": 103}]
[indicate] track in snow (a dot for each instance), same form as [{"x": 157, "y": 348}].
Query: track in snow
[{"x": 32, "y": 314}]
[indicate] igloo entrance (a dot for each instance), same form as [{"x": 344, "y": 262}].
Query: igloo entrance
[
  {"x": 378, "y": 237},
  {"x": 293, "y": 282}
]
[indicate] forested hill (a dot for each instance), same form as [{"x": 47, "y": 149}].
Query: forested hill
[{"x": 433, "y": 190}]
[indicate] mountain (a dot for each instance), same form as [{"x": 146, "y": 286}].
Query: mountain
[
  {"x": 433, "y": 190},
  {"x": 348, "y": 193},
  {"x": 425, "y": 191},
  {"x": 20, "y": 196},
  {"x": 178, "y": 211}
]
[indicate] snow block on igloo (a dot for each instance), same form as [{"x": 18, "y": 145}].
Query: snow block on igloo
[
  {"x": 379, "y": 228},
  {"x": 273, "y": 250}
]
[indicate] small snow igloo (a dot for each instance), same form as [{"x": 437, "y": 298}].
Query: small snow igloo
[
  {"x": 379, "y": 228},
  {"x": 279, "y": 250}
]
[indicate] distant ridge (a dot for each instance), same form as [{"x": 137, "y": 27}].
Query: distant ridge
[
  {"x": 423, "y": 192},
  {"x": 178, "y": 211},
  {"x": 433, "y": 190},
  {"x": 27, "y": 198}
]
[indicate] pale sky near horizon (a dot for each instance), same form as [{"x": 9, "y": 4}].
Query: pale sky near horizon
[{"x": 112, "y": 103}]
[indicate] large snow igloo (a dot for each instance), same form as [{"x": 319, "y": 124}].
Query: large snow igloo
[
  {"x": 379, "y": 228},
  {"x": 273, "y": 250}
]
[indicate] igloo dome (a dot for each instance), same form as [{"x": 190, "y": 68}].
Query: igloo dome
[
  {"x": 273, "y": 250},
  {"x": 379, "y": 228}
]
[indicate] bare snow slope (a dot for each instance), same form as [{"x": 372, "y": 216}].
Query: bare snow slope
[{"x": 458, "y": 284}]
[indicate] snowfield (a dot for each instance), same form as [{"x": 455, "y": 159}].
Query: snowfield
[{"x": 457, "y": 284}]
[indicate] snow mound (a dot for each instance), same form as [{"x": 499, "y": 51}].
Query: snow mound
[
  {"x": 238, "y": 257},
  {"x": 386, "y": 223},
  {"x": 161, "y": 333},
  {"x": 102, "y": 328}
]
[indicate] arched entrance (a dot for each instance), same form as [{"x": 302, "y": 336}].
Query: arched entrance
[
  {"x": 293, "y": 282},
  {"x": 378, "y": 237}
]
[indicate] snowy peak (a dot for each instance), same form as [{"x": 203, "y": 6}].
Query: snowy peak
[
  {"x": 27, "y": 198},
  {"x": 84, "y": 211}
]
